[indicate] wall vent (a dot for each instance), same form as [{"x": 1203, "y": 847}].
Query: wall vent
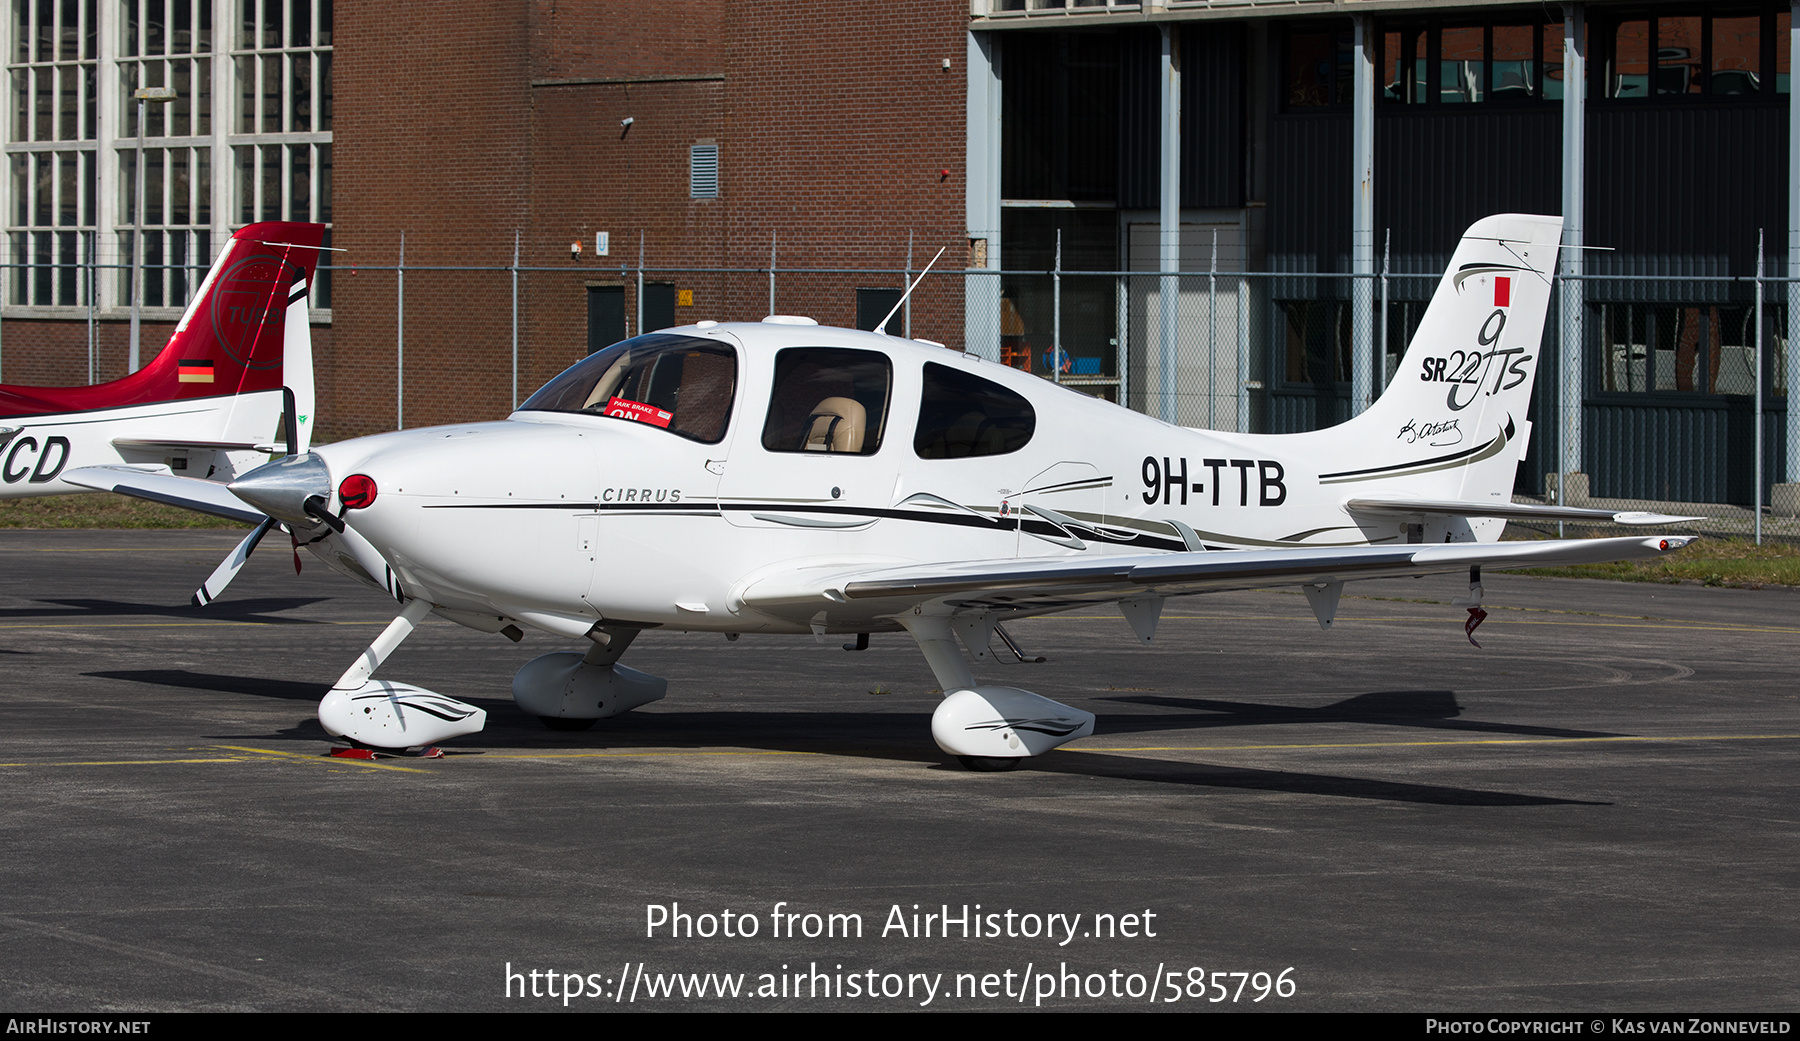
[{"x": 703, "y": 171}]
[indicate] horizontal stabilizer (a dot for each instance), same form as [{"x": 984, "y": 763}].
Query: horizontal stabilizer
[
  {"x": 183, "y": 444},
  {"x": 1507, "y": 510},
  {"x": 189, "y": 493}
]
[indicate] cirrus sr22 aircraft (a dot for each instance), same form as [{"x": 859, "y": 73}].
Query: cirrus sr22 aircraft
[
  {"x": 780, "y": 477},
  {"x": 209, "y": 403}
]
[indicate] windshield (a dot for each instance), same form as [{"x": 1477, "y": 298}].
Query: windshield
[{"x": 683, "y": 384}]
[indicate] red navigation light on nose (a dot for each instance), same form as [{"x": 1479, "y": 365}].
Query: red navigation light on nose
[{"x": 357, "y": 491}]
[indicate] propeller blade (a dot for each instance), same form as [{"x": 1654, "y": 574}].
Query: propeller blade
[
  {"x": 290, "y": 422},
  {"x": 226, "y": 571},
  {"x": 228, "y": 568}
]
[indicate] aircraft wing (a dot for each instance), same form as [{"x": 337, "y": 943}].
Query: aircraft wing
[
  {"x": 1040, "y": 583},
  {"x": 158, "y": 485}
]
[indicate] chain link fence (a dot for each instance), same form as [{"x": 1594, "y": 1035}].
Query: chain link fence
[{"x": 1676, "y": 400}]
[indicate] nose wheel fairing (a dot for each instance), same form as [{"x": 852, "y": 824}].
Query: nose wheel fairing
[{"x": 386, "y": 714}]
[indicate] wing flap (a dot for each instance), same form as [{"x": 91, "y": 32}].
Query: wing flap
[{"x": 1506, "y": 510}]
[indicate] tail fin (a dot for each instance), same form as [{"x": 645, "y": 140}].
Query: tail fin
[
  {"x": 244, "y": 332},
  {"x": 1456, "y": 411}
]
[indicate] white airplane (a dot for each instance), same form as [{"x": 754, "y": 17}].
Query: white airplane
[
  {"x": 780, "y": 477},
  {"x": 209, "y": 404}
]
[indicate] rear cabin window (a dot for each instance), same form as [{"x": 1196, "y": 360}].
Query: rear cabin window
[
  {"x": 963, "y": 415},
  {"x": 682, "y": 384},
  {"x": 828, "y": 399}
]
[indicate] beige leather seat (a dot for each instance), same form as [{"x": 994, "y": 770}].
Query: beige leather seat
[{"x": 836, "y": 425}]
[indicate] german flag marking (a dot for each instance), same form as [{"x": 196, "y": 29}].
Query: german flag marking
[{"x": 195, "y": 370}]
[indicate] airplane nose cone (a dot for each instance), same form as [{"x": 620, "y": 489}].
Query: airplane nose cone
[{"x": 281, "y": 488}]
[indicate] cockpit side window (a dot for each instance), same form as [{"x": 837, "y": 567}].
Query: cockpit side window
[
  {"x": 828, "y": 399},
  {"x": 683, "y": 384},
  {"x": 962, "y": 415}
]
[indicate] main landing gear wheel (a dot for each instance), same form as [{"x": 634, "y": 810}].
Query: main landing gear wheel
[
  {"x": 566, "y": 724},
  {"x": 989, "y": 764}
]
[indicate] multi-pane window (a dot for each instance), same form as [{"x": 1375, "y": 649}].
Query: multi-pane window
[
  {"x": 247, "y": 138},
  {"x": 1694, "y": 349},
  {"x": 52, "y": 154},
  {"x": 165, "y": 43},
  {"x": 1029, "y": 6},
  {"x": 1449, "y": 64},
  {"x": 1650, "y": 55},
  {"x": 282, "y": 139},
  {"x": 1634, "y": 54}
]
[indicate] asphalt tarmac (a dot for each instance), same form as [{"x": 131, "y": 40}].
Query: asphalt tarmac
[{"x": 1595, "y": 812}]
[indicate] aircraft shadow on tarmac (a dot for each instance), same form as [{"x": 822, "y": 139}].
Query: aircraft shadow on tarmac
[
  {"x": 257, "y": 686},
  {"x": 1212, "y": 775},
  {"x": 263, "y": 609},
  {"x": 872, "y": 735},
  {"x": 1432, "y": 709}
]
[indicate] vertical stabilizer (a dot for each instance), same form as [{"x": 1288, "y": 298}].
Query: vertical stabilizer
[
  {"x": 230, "y": 341},
  {"x": 1458, "y": 405}
]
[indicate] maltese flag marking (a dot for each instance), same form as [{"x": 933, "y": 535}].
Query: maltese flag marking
[{"x": 1502, "y": 291}]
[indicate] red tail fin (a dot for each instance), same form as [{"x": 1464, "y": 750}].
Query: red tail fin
[{"x": 229, "y": 340}]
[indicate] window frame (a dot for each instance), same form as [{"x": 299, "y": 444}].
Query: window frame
[
  {"x": 154, "y": 42},
  {"x": 600, "y": 363},
  {"x": 927, "y": 409},
  {"x": 1603, "y": 49},
  {"x": 875, "y": 429},
  {"x": 1433, "y": 28}
]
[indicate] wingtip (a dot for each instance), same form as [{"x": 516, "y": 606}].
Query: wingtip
[{"x": 1639, "y": 517}]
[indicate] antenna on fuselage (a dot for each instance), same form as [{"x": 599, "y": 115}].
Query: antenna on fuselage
[{"x": 882, "y": 328}]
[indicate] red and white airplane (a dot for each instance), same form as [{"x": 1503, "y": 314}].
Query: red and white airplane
[
  {"x": 209, "y": 405},
  {"x": 779, "y": 477}
]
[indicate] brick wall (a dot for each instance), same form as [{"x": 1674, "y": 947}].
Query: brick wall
[
  {"x": 484, "y": 118},
  {"x": 834, "y": 126},
  {"x": 431, "y": 139}
]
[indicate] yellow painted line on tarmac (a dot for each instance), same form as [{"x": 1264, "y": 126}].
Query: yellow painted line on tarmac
[
  {"x": 1686, "y": 626},
  {"x": 72, "y": 624},
  {"x": 321, "y": 760},
  {"x": 271, "y": 754},
  {"x": 1436, "y": 744},
  {"x": 256, "y": 755},
  {"x": 680, "y": 752},
  {"x": 108, "y": 549},
  {"x": 128, "y": 762},
  {"x": 1690, "y": 626}
]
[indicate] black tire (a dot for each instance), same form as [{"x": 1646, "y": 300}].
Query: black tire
[
  {"x": 567, "y": 725},
  {"x": 990, "y": 764}
]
